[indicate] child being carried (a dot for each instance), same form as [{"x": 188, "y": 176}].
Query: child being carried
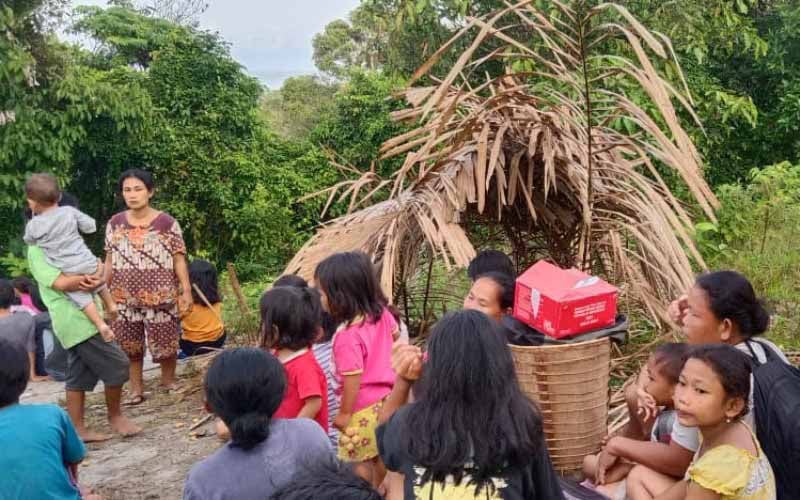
[{"x": 56, "y": 230}]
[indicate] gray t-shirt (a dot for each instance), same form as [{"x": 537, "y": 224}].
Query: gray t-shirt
[
  {"x": 689, "y": 437},
  {"x": 231, "y": 473},
  {"x": 57, "y": 233},
  {"x": 19, "y": 328}
]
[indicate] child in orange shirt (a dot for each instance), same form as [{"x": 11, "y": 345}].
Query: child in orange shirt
[{"x": 203, "y": 330}]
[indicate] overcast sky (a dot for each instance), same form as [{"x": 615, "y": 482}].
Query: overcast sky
[{"x": 272, "y": 38}]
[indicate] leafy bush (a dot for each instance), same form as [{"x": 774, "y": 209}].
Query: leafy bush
[{"x": 759, "y": 224}]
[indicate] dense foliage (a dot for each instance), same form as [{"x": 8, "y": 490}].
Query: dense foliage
[{"x": 233, "y": 161}]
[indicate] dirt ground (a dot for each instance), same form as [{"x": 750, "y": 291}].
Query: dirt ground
[{"x": 153, "y": 464}]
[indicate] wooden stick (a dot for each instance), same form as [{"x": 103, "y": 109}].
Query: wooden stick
[
  {"x": 207, "y": 303},
  {"x": 237, "y": 290},
  {"x": 201, "y": 422}
]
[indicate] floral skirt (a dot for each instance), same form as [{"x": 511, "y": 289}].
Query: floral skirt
[{"x": 358, "y": 443}]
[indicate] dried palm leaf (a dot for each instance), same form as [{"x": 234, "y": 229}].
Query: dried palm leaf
[{"x": 539, "y": 151}]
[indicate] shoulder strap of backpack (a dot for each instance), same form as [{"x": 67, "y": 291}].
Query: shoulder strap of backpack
[{"x": 756, "y": 361}]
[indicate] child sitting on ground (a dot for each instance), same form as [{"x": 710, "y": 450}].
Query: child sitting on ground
[
  {"x": 362, "y": 352},
  {"x": 712, "y": 396},
  {"x": 56, "y": 230},
  {"x": 203, "y": 330},
  {"x": 290, "y": 322},
  {"x": 41, "y": 449},
  {"x": 662, "y": 369},
  {"x": 244, "y": 387}
]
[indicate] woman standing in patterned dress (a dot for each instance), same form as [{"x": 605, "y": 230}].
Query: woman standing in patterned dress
[{"x": 149, "y": 280}]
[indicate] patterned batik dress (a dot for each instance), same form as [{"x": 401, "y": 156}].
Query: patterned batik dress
[{"x": 144, "y": 284}]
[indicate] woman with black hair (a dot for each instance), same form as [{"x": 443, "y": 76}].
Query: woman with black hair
[
  {"x": 148, "y": 277},
  {"x": 721, "y": 308},
  {"x": 492, "y": 293},
  {"x": 244, "y": 387},
  {"x": 471, "y": 433}
]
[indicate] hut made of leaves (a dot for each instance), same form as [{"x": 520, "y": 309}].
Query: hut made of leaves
[{"x": 569, "y": 149}]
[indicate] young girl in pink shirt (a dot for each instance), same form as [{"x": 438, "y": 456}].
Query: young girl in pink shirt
[{"x": 362, "y": 351}]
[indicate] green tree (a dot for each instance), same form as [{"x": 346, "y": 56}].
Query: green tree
[{"x": 294, "y": 109}]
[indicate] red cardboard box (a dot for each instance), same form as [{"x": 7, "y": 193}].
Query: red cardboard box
[{"x": 563, "y": 302}]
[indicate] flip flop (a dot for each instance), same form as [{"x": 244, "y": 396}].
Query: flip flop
[{"x": 135, "y": 400}]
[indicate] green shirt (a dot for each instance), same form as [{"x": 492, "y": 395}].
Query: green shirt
[{"x": 70, "y": 324}]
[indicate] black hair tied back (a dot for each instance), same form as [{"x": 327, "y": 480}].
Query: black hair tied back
[
  {"x": 245, "y": 387},
  {"x": 731, "y": 296}
]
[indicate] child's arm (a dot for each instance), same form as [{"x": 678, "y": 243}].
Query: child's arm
[
  {"x": 311, "y": 407},
  {"x": 86, "y": 224},
  {"x": 350, "y": 386},
  {"x": 670, "y": 459}
]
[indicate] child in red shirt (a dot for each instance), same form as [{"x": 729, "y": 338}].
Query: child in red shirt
[{"x": 290, "y": 322}]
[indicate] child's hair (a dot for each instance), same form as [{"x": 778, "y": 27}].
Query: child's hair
[
  {"x": 327, "y": 322},
  {"x": 203, "y": 274},
  {"x": 326, "y": 480},
  {"x": 291, "y": 280},
  {"x": 469, "y": 388},
  {"x": 506, "y": 285},
  {"x": 490, "y": 261},
  {"x": 351, "y": 285},
  {"x": 136, "y": 173},
  {"x": 244, "y": 387},
  {"x": 42, "y": 188},
  {"x": 732, "y": 366},
  {"x": 290, "y": 317},
  {"x": 670, "y": 358},
  {"x": 732, "y": 297},
  {"x": 14, "y": 370},
  {"x": 7, "y": 296}
]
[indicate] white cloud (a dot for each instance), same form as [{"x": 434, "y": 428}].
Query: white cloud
[{"x": 272, "y": 38}]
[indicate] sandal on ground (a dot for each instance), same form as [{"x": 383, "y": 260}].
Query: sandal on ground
[{"x": 135, "y": 400}]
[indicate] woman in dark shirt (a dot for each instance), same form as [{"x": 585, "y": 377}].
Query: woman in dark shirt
[{"x": 471, "y": 433}]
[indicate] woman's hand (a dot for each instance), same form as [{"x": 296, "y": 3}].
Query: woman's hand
[
  {"x": 90, "y": 282},
  {"x": 407, "y": 362},
  {"x": 341, "y": 421},
  {"x": 185, "y": 302},
  {"x": 677, "y": 309}
]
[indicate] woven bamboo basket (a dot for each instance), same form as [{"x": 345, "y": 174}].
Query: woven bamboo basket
[{"x": 570, "y": 385}]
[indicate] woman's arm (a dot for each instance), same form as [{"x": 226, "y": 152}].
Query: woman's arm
[
  {"x": 407, "y": 364},
  {"x": 83, "y": 282},
  {"x": 182, "y": 272},
  {"x": 107, "y": 268},
  {"x": 397, "y": 398},
  {"x": 311, "y": 408},
  {"x": 350, "y": 386}
]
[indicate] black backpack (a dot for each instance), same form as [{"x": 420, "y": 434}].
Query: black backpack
[{"x": 776, "y": 402}]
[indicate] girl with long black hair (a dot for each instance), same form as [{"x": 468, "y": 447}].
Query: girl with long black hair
[{"x": 471, "y": 433}]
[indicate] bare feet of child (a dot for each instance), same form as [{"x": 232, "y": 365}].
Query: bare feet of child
[
  {"x": 124, "y": 426},
  {"x": 41, "y": 378},
  {"x": 107, "y": 333},
  {"x": 222, "y": 430},
  {"x": 89, "y": 436}
]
